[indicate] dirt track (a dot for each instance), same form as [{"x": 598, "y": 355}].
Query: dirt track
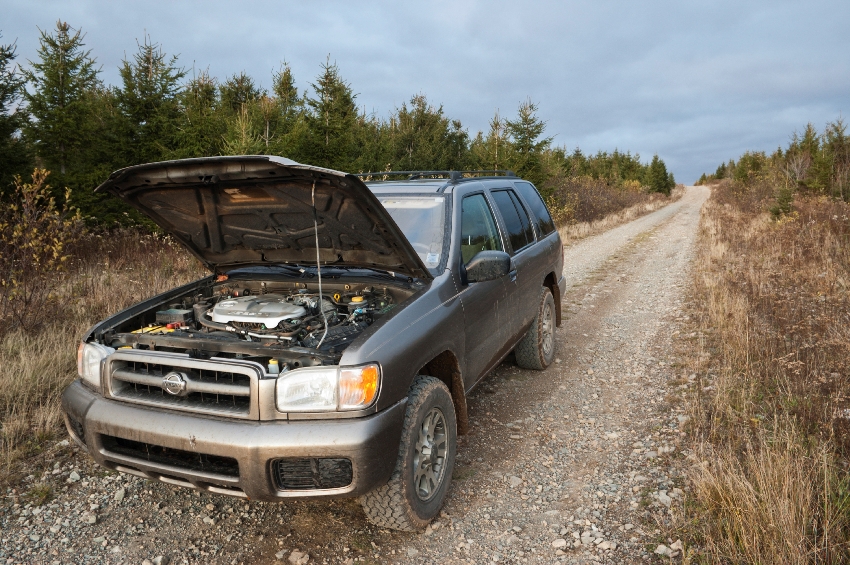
[{"x": 573, "y": 464}]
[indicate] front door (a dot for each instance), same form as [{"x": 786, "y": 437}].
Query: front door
[{"x": 485, "y": 307}]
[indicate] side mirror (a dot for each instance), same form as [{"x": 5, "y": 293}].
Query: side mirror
[{"x": 488, "y": 266}]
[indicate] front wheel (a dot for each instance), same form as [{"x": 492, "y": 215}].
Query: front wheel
[
  {"x": 537, "y": 348},
  {"x": 417, "y": 488}
]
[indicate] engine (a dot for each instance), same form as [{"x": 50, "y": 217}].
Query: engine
[{"x": 299, "y": 318}]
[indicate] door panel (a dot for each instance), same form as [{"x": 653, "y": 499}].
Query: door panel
[{"x": 484, "y": 303}]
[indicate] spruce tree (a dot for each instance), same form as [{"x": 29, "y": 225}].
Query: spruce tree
[
  {"x": 201, "y": 122},
  {"x": 148, "y": 104},
  {"x": 331, "y": 121},
  {"x": 60, "y": 81},
  {"x": 527, "y": 144},
  {"x": 423, "y": 138},
  {"x": 657, "y": 178},
  {"x": 492, "y": 152},
  {"x": 238, "y": 91},
  {"x": 15, "y": 157}
]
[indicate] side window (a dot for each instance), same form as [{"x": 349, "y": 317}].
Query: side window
[
  {"x": 477, "y": 228},
  {"x": 517, "y": 224},
  {"x": 545, "y": 225}
]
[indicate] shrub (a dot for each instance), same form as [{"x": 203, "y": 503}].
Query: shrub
[{"x": 36, "y": 237}]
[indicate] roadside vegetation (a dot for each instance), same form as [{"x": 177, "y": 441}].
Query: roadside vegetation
[
  {"x": 69, "y": 257},
  {"x": 770, "y": 419}
]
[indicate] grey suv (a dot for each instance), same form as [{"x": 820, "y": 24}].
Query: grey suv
[{"x": 330, "y": 351}]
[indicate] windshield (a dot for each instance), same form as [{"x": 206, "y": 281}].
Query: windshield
[{"x": 422, "y": 220}]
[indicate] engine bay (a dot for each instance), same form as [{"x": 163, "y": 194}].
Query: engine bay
[{"x": 260, "y": 320}]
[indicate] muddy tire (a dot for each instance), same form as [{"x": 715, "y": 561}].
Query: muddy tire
[
  {"x": 417, "y": 488},
  {"x": 536, "y": 350}
]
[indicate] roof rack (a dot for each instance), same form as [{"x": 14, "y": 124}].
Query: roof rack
[{"x": 451, "y": 175}]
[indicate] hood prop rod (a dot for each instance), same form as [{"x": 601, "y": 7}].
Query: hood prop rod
[{"x": 319, "y": 266}]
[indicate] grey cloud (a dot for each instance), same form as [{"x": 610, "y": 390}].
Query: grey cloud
[{"x": 695, "y": 82}]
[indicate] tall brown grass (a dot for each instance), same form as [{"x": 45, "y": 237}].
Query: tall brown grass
[
  {"x": 105, "y": 273},
  {"x": 770, "y": 415}
]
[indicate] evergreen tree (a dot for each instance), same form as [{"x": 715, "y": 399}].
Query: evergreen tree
[
  {"x": 148, "y": 104},
  {"x": 657, "y": 178},
  {"x": 15, "y": 157},
  {"x": 238, "y": 91},
  {"x": 331, "y": 121},
  {"x": 289, "y": 127},
  {"x": 423, "y": 138},
  {"x": 201, "y": 123},
  {"x": 242, "y": 137},
  {"x": 528, "y": 145},
  {"x": 494, "y": 151},
  {"x": 60, "y": 81}
]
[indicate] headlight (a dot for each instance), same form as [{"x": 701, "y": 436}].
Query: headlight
[
  {"x": 324, "y": 389},
  {"x": 89, "y": 356}
]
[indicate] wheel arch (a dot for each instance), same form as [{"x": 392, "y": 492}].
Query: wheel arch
[
  {"x": 551, "y": 282},
  {"x": 446, "y": 367}
]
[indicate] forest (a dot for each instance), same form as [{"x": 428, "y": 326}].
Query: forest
[{"x": 57, "y": 114}]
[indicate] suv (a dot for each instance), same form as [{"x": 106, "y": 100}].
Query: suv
[{"x": 330, "y": 351}]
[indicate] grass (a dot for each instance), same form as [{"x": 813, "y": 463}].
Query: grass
[
  {"x": 572, "y": 229},
  {"x": 106, "y": 273},
  {"x": 768, "y": 417}
]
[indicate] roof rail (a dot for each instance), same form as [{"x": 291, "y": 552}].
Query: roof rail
[{"x": 451, "y": 175}]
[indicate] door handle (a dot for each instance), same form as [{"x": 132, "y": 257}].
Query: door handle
[{"x": 513, "y": 275}]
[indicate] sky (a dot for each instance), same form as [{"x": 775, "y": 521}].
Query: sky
[{"x": 697, "y": 82}]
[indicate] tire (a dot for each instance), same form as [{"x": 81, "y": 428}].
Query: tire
[
  {"x": 413, "y": 497},
  {"x": 536, "y": 350}
]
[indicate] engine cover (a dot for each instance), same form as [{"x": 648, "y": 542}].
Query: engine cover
[{"x": 268, "y": 309}]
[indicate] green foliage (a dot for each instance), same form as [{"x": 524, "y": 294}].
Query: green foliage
[
  {"x": 61, "y": 80},
  {"x": 200, "y": 123},
  {"x": 817, "y": 163},
  {"x": 657, "y": 179},
  {"x": 148, "y": 105},
  {"x": 331, "y": 122},
  {"x": 35, "y": 238},
  {"x": 784, "y": 200},
  {"x": 85, "y": 130},
  {"x": 528, "y": 145},
  {"x": 14, "y": 153}
]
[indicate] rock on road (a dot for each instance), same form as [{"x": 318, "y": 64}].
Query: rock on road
[{"x": 574, "y": 464}]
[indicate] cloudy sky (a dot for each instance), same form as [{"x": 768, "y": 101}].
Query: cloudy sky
[{"x": 696, "y": 82}]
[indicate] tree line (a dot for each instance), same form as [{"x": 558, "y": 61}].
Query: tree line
[
  {"x": 58, "y": 114},
  {"x": 814, "y": 162}
]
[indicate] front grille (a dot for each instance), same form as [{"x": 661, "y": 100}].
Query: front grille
[
  {"x": 189, "y": 460},
  {"x": 311, "y": 473},
  {"x": 201, "y": 386}
]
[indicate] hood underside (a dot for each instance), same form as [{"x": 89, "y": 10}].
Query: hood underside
[{"x": 255, "y": 210}]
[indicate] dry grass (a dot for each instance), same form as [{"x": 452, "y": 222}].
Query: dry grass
[
  {"x": 769, "y": 417},
  {"x": 579, "y": 230},
  {"x": 106, "y": 274}
]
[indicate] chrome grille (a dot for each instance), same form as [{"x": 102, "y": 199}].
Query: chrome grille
[{"x": 218, "y": 387}]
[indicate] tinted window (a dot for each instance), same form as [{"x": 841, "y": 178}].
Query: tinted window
[
  {"x": 477, "y": 228},
  {"x": 545, "y": 225},
  {"x": 519, "y": 229}
]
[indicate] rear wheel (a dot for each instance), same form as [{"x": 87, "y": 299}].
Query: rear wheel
[
  {"x": 417, "y": 488},
  {"x": 536, "y": 350}
]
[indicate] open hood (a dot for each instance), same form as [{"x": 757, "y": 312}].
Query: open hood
[{"x": 255, "y": 210}]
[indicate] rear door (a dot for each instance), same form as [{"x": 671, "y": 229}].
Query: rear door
[{"x": 526, "y": 258}]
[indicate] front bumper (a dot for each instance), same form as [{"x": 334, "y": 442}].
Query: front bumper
[{"x": 370, "y": 443}]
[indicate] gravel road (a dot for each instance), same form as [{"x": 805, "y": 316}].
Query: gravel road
[{"x": 575, "y": 464}]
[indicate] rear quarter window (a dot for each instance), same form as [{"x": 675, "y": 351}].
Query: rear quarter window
[{"x": 545, "y": 225}]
